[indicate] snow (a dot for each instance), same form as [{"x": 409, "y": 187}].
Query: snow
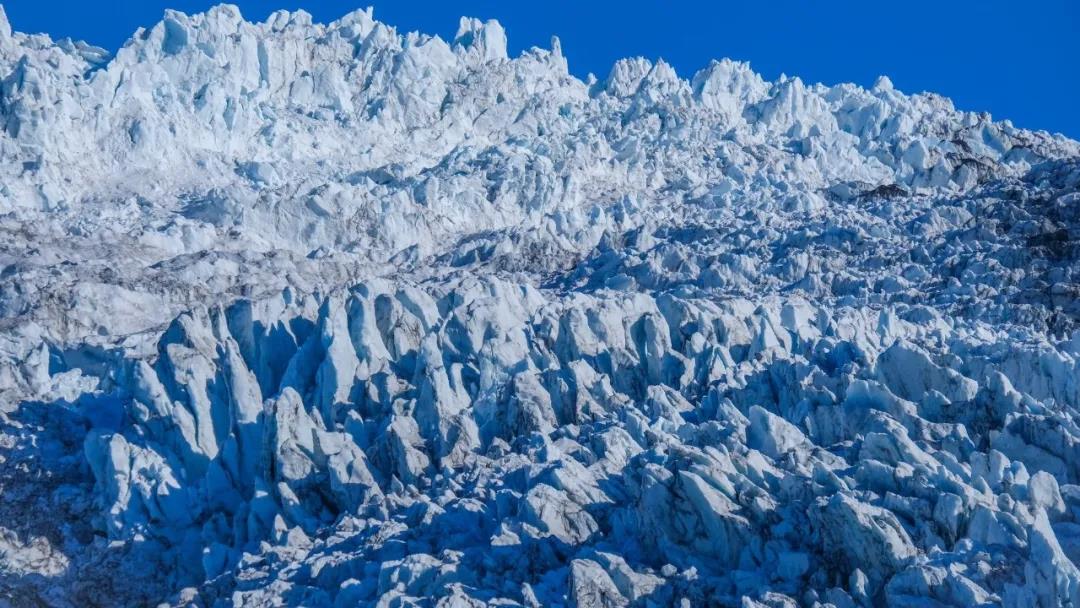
[{"x": 329, "y": 315}]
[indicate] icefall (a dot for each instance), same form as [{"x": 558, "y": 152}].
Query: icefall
[{"x": 328, "y": 315}]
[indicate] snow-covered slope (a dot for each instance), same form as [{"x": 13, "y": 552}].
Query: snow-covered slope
[{"x": 326, "y": 315}]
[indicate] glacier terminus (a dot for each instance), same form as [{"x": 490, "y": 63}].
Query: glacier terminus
[{"x": 329, "y": 315}]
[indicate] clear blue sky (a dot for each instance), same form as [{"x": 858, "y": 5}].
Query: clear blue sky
[{"x": 1017, "y": 59}]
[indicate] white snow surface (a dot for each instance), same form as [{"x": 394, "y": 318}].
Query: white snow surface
[{"x": 328, "y": 315}]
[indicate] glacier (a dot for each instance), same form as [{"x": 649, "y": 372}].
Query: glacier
[{"x": 309, "y": 314}]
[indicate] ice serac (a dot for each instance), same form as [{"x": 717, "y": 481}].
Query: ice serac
[{"x": 332, "y": 315}]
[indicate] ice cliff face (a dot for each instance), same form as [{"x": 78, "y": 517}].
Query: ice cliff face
[{"x": 326, "y": 315}]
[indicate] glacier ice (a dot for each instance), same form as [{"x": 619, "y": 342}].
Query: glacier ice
[{"x": 329, "y": 315}]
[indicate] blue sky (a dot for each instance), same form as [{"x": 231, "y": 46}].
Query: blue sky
[{"x": 1017, "y": 59}]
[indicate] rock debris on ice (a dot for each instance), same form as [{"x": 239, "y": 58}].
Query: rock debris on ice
[{"x": 329, "y": 315}]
